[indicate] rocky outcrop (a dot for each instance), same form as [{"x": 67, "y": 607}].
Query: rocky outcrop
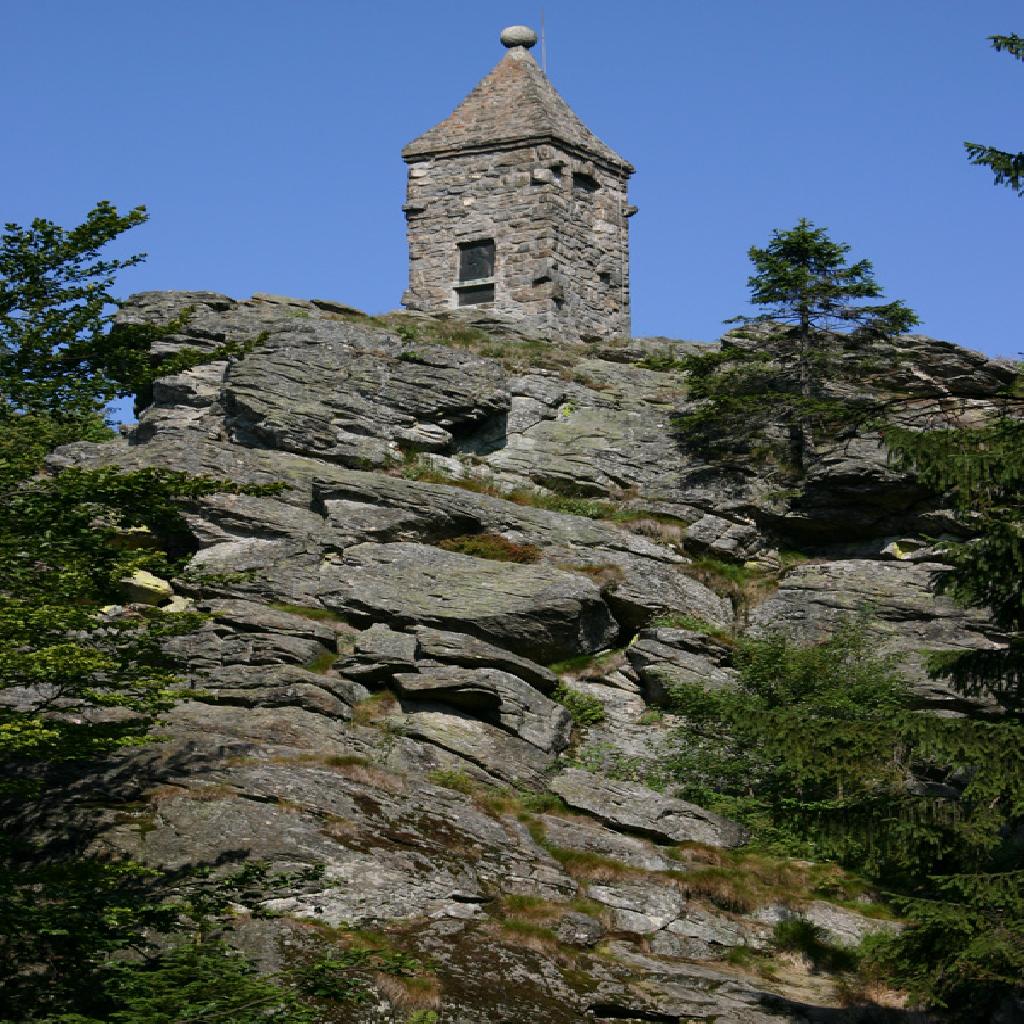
[
  {"x": 395, "y": 710},
  {"x": 635, "y": 808},
  {"x": 550, "y": 614}
]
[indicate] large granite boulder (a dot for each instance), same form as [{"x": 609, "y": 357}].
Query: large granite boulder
[{"x": 532, "y": 610}]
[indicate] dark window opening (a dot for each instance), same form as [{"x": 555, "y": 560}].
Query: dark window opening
[
  {"x": 475, "y": 294},
  {"x": 476, "y": 260},
  {"x": 605, "y": 278},
  {"x": 584, "y": 182}
]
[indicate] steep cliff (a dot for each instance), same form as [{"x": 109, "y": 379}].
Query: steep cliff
[{"x": 475, "y": 533}]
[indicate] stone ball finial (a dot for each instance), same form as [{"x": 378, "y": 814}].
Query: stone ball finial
[{"x": 518, "y": 35}]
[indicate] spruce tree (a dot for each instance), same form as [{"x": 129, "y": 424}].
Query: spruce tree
[
  {"x": 1007, "y": 168},
  {"x": 772, "y": 377},
  {"x": 981, "y": 473}
]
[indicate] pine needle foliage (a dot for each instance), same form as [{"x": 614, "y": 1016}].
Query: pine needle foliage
[
  {"x": 766, "y": 393},
  {"x": 819, "y": 751},
  {"x": 1007, "y": 168},
  {"x": 981, "y": 472}
]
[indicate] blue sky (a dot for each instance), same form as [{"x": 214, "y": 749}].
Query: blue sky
[{"x": 264, "y": 137}]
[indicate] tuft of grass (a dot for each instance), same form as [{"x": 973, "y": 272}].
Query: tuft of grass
[
  {"x": 725, "y": 572},
  {"x": 584, "y": 709},
  {"x": 423, "y": 1017},
  {"x": 663, "y": 364},
  {"x": 345, "y": 760},
  {"x": 452, "y": 778},
  {"x": 529, "y": 929},
  {"x": 750, "y": 959},
  {"x": 308, "y": 612},
  {"x": 744, "y": 585},
  {"x": 322, "y": 663},
  {"x": 492, "y": 546},
  {"x": 375, "y": 708},
  {"x": 588, "y": 664},
  {"x": 543, "y": 803},
  {"x": 604, "y": 575},
  {"x": 790, "y": 557},
  {"x": 414, "y": 467},
  {"x": 590, "y": 866},
  {"x": 679, "y": 620},
  {"x": 534, "y": 908}
]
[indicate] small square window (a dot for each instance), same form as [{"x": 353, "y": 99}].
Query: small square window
[
  {"x": 476, "y": 260},
  {"x": 585, "y": 183}
]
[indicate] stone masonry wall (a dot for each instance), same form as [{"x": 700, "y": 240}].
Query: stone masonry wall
[{"x": 561, "y": 249}]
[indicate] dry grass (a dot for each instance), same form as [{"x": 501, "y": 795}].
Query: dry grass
[
  {"x": 492, "y": 546},
  {"x": 418, "y": 469},
  {"x": 375, "y": 708},
  {"x": 372, "y": 777},
  {"x": 590, "y": 666},
  {"x": 418, "y": 992},
  {"x": 523, "y": 907},
  {"x": 499, "y": 802},
  {"x": 604, "y": 576},
  {"x": 594, "y": 867},
  {"x": 742, "y": 881},
  {"x": 528, "y": 934},
  {"x": 671, "y": 534},
  {"x": 351, "y": 766}
]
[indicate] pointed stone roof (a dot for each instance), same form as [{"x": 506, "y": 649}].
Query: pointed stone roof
[{"x": 514, "y": 104}]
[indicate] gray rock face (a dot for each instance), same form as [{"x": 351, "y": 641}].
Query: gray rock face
[
  {"x": 579, "y": 930},
  {"x": 590, "y": 838},
  {"x": 636, "y": 808},
  {"x": 495, "y": 695},
  {"x": 371, "y": 407},
  {"x": 844, "y": 927},
  {"x": 392, "y": 718},
  {"x": 530, "y": 610},
  {"x": 461, "y": 649},
  {"x": 666, "y": 657},
  {"x": 503, "y": 757}
]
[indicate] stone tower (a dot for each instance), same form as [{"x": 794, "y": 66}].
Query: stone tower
[{"x": 516, "y": 208}]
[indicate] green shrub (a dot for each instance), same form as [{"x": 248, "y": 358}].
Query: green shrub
[
  {"x": 583, "y": 709},
  {"x": 452, "y": 778}
]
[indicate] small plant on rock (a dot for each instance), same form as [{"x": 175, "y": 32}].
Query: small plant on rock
[
  {"x": 492, "y": 546},
  {"x": 582, "y": 707}
]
